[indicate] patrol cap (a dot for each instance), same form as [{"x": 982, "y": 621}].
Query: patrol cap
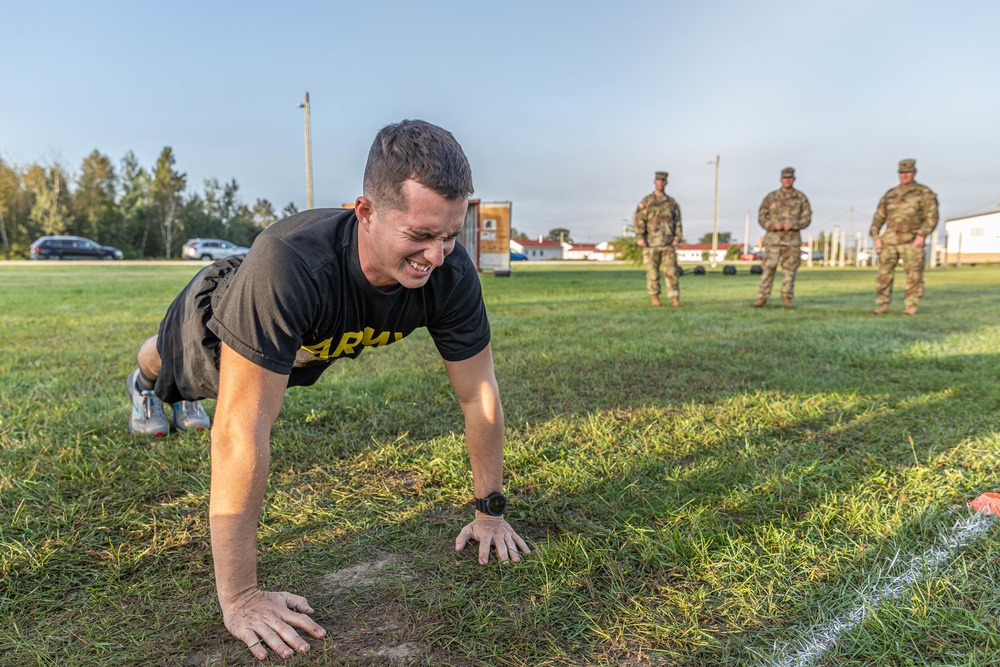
[
  {"x": 661, "y": 175},
  {"x": 788, "y": 172},
  {"x": 907, "y": 165}
]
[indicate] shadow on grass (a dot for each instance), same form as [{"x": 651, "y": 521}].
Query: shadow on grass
[{"x": 681, "y": 484}]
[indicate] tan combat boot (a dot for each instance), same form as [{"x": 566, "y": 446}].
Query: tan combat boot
[
  {"x": 656, "y": 299},
  {"x": 760, "y": 302},
  {"x": 675, "y": 302},
  {"x": 786, "y": 301},
  {"x": 881, "y": 309},
  {"x": 910, "y": 310}
]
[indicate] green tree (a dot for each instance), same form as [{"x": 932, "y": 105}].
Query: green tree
[
  {"x": 229, "y": 204},
  {"x": 724, "y": 237},
  {"x": 237, "y": 218},
  {"x": 290, "y": 209},
  {"x": 242, "y": 228},
  {"x": 197, "y": 222},
  {"x": 518, "y": 235},
  {"x": 94, "y": 199},
  {"x": 560, "y": 235},
  {"x": 734, "y": 251},
  {"x": 14, "y": 208},
  {"x": 213, "y": 203},
  {"x": 167, "y": 187},
  {"x": 263, "y": 214},
  {"x": 134, "y": 205},
  {"x": 50, "y": 208},
  {"x": 628, "y": 249}
]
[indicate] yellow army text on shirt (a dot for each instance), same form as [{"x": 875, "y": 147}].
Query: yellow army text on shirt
[
  {"x": 658, "y": 220},
  {"x": 906, "y": 211},
  {"x": 783, "y": 206}
]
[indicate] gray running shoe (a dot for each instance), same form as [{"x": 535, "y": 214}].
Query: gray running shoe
[
  {"x": 148, "y": 417},
  {"x": 190, "y": 416}
]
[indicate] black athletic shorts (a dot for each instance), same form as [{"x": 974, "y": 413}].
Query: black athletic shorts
[{"x": 189, "y": 351}]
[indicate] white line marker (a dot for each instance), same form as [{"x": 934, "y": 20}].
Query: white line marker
[{"x": 964, "y": 532}]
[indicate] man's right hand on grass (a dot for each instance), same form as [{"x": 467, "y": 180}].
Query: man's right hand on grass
[{"x": 265, "y": 618}]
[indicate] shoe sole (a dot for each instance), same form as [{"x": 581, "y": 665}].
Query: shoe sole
[
  {"x": 193, "y": 429},
  {"x": 129, "y": 383},
  {"x": 158, "y": 434}
]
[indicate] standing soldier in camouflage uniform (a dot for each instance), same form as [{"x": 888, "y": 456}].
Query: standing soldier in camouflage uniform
[
  {"x": 909, "y": 213},
  {"x": 782, "y": 214},
  {"x": 658, "y": 232}
]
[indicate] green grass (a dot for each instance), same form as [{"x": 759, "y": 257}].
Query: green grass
[{"x": 699, "y": 485}]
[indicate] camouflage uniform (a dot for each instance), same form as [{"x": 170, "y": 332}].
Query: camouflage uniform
[
  {"x": 906, "y": 211},
  {"x": 782, "y": 206},
  {"x": 658, "y": 222}
]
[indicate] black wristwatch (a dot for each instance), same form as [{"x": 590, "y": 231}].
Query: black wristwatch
[{"x": 494, "y": 504}]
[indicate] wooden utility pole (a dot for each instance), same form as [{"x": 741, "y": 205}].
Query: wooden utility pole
[
  {"x": 850, "y": 235},
  {"x": 746, "y": 234},
  {"x": 715, "y": 217},
  {"x": 309, "y": 162}
]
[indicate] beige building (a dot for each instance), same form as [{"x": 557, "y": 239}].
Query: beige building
[{"x": 976, "y": 238}]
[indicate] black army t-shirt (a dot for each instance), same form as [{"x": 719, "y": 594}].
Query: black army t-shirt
[{"x": 300, "y": 301}]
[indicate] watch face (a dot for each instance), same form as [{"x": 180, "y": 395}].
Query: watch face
[{"x": 496, "y": 504}]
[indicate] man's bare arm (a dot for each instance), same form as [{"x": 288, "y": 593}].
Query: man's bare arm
[
  {"x": 249, "y": 400},
  {"x": 475, "y": 386}
]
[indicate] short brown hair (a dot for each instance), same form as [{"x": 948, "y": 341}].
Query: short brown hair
[{"x": 418, "y": 150}]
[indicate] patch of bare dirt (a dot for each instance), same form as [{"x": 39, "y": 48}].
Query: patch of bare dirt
[
  {"x": 365, "y": 621},
  {"x": 368, "y": 623},
  {"x": 354, "y": 576}
]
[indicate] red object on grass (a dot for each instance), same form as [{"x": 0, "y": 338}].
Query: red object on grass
[{"x": 988, "y": 503}]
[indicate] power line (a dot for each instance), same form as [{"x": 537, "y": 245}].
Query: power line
[{"x": 971, "y": 210}]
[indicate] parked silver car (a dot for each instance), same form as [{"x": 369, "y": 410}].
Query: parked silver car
[{"x": 211, "y": 249}]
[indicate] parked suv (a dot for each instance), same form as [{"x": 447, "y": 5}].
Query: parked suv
[
  {"x": 72, "y": 247},
  {"x": 211, "y": 249}
]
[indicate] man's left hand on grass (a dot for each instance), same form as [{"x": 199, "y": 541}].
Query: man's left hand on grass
[{"x": 493, "y": 531}]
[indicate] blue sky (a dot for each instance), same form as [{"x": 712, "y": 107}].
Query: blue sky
[{"x": 564, "y": 108}]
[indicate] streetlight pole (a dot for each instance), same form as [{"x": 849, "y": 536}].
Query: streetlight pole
[
  {"x": 746, "y": 234},
  {"x": 309, "y": 162},
  {"x": 715, "y": 216}
]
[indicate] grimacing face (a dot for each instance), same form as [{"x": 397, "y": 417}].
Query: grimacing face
[{"x": 403, "y": 247}]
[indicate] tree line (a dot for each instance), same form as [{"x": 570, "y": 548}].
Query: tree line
[{"x": 144, "y": 212}]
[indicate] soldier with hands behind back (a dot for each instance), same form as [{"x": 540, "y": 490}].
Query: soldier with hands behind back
[
  {"x": 658, "y": 232},
  {"x": 909, "y": 214}
]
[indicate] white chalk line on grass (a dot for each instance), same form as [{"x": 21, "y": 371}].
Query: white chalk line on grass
[{"x": 964, "y": 532}]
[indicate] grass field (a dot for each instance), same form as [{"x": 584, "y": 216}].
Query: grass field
[{"x": 703, "y": 486}]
